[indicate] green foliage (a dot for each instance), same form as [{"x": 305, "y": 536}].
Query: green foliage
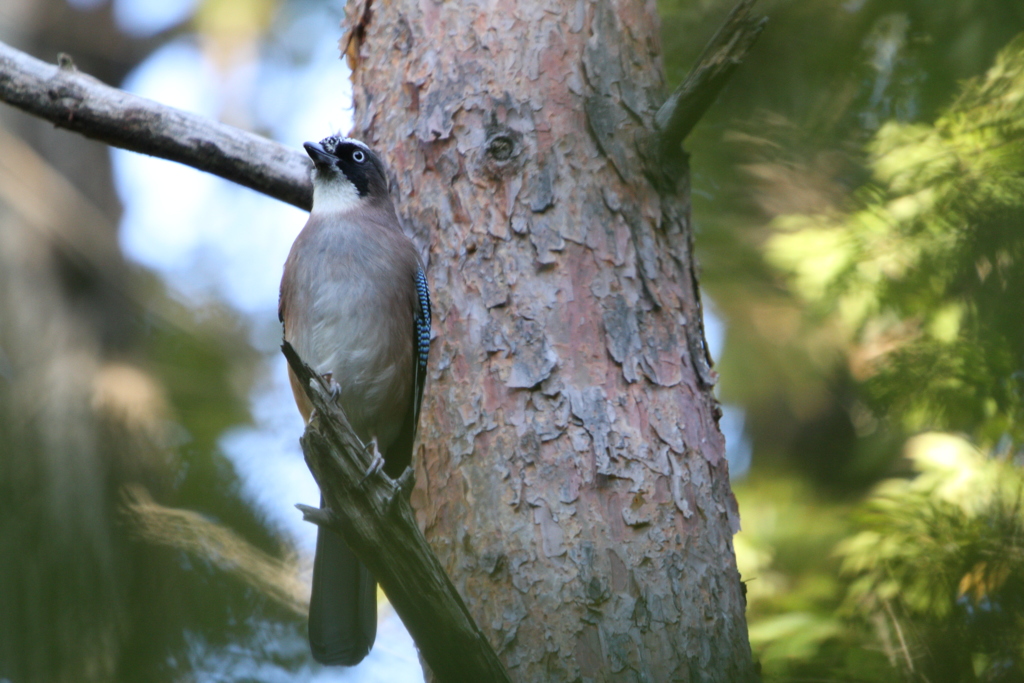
[
  {"x": 918, "y": 284},
  {"x": 924, "y": 277},
  {"x": 793, "y": 588},
  {"x": 938, "y": 566},
  {"x": 924, "y": 581}
]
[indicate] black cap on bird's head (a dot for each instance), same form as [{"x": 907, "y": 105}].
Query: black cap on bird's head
[{"x": 338, "y": 159}]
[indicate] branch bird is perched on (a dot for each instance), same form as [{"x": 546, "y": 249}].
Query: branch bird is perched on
[{"x": 355, "y": 306}]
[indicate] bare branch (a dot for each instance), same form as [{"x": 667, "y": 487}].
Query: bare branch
[
  {"x": 723, "y": 53},
  {"x": 80, "y": 103},
  {"x": 376, "y": 521}
]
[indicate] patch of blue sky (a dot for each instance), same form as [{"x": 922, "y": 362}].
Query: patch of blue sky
[
  {"x": 206, "y": 236},
  {"x": 148, "y": 17},
  {"x": 164, "y": 201},
  {"x": 738, "y": 449},
  {"x": 269, "y": 460},
  {"x": 303, "y": 91},
  {"x": 143, "y": 18}
]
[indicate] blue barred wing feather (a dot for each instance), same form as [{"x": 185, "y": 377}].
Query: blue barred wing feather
[
  {"x": 422, "y": 325},
  {"x": 400, "y": 454}
]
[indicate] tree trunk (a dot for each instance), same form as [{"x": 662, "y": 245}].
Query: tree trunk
[{"x": 571, "y": 475}]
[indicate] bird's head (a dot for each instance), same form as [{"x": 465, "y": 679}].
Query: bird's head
[{"x": 346, "y": 173}]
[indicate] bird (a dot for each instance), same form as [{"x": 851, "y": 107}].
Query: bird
[{"x": 355, "y": 306}]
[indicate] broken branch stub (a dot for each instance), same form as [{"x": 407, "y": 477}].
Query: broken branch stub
[{"x": 716, "y": 64}]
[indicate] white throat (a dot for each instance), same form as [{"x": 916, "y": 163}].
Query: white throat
[{"x": 336, "y": 195}]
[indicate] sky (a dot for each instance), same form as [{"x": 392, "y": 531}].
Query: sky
[{"x": 211, "y": 239}]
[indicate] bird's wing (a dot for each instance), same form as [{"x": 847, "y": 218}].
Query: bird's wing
[
  {"x": 422, "y": 340},
  {"x": 399, "y": 456}
]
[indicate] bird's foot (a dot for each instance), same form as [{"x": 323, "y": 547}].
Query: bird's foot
[
  {"x": 376, "y": 465},
  {"x": 406, "y": 482},
  {"x": 403, "y": 488},
  {"x": 333, "y": 387}
]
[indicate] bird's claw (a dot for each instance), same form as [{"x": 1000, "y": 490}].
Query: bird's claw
[
  {"x": 376, "y": 465},
  {"x": 332, "y": 387},
  {"x": 403, "y": 488},
  {"x": 406, "y": 482}
]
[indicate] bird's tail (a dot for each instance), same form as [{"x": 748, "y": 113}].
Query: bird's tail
[{"x": 343, "y": 606}]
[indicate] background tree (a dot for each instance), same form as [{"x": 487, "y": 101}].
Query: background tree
[{"x": 918, "y": 286}]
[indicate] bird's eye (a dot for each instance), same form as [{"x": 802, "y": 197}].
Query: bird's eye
[{"x": 358, "y": 157}]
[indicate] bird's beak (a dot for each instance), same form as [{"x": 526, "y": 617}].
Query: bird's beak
[{"x": 318, "y": 154}]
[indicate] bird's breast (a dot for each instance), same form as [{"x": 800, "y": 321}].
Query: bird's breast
[{"x": 348, "y": 316}]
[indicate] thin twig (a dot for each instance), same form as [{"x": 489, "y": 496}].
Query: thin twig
[
  {"x": 78, "y": 102},
  {"x": 899, "y": 634}
]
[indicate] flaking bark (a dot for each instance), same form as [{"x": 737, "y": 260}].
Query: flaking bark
[{"x": 571, "y": 474}]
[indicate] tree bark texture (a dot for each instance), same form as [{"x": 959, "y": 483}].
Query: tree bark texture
[{"x": 570, "y": 473}]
